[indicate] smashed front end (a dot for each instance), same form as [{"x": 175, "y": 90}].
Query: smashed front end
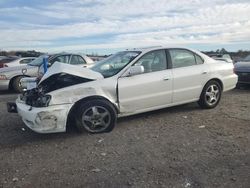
[
  {"x": 35, "y": 107},
  {"x": 44, "y": 120}
]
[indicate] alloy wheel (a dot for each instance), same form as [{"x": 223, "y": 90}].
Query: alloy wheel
[
  {"x": 96, "y": 119},
  {"x": 212, "y": 94}
]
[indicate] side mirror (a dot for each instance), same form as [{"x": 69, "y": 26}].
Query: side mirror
[{"x": 135, "y": 70}]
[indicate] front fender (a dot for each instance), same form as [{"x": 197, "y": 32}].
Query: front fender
[{"x": 72, "y": 94}]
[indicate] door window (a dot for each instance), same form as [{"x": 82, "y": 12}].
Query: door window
[
  {"x": 153, "y": 61},
  {"x": 26, "y": 61},
  {"x": 74, "y": 60},
  {"x": 62, "y": 59},
  {"x": 182, "y": 58}
]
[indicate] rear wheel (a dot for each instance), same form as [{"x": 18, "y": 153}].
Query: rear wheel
[
  {"x": 211, "y": 94},
  {"x": 16, "y": 84},
  {"x": 96, "y": 116}
]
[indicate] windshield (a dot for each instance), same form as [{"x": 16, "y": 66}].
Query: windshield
[
  {"x": 38, "y": 61},
  {"x": 115, "y": 63}
]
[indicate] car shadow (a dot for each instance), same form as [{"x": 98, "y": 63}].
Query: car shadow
[
  {"x": 7, "y": 92},
  {"x": 243, "y": 87},
  {"x": 17, "y": 134},
  {"x": 170, "y": 110}
]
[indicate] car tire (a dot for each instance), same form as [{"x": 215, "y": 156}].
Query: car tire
[
  {"x": 96, "y": 116},
  {"x": 16, "y": 84},
  {"x": 210, "y": 95}
]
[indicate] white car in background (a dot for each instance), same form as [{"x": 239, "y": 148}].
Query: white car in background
[
  {"x": 126, "y": 83},
  {"x": 20, "y": 61},
  {"x": 222, "y": 57}
]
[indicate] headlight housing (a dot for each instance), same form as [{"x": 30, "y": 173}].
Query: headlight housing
[
  {"x": 36, "y": 98},
  {"x": 42, "y": 101}
]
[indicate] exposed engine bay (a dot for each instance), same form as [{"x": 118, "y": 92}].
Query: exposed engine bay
[{"x": 39, "y": 97}]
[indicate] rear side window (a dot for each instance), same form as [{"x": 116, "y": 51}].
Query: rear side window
[
  {"x": 182, "y": 58},
  {"x": 198, "y": 59},
  {"x": 26, "y": 61},
  {"x": 81, "y": 60}
]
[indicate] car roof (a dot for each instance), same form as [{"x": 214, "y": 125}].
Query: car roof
[
  {"x": 150, "y": 48},
  {"x": 27, "y": 58},
  {"x": 63, "y": 53}
]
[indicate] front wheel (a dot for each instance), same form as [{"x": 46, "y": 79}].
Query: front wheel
[
  {"x": 211, "y": 94},
  {"x": 96, "y": 116}
]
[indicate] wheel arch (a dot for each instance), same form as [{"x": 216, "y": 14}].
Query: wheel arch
[
  {"x": 217, "y": 80},
  {"x": 85, "y": 99}
]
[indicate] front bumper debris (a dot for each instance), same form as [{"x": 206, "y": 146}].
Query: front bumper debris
[
  {"x": 51, "y": 119},
  {"x": 11, "y": 107}
]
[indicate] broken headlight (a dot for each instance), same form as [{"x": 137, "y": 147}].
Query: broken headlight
[
  {"x": 42, "y": 101},
  {"x": 36, "y": 98}
]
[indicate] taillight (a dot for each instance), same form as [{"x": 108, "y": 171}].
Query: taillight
[{"x": 3, "y": 77}]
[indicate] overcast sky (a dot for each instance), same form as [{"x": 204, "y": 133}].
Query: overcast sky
[{"x": 106, "y": 26}]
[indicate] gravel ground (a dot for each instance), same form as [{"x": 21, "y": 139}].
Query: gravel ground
[{"x": 182, "y": 146}]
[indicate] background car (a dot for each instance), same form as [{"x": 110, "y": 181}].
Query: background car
[
  {"x": 10, "y": 76},
  {"x": 5, "y": 60},
  {"x": 222, "y": 57},
  {"x": 242, "y": 69},
  {"x": 12, "y": 62},
  {"x": 2, "y": 57}
]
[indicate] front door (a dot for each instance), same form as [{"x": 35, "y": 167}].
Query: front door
[{"x": 149, "y": 90}]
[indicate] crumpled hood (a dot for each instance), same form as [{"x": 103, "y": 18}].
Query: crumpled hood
[
  {"x": 15, "y": 68},
  {"x": 58, "y": 67},
  {"x": 242, "y": 66}
]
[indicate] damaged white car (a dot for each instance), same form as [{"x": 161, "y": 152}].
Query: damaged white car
[{"x": 126, "y": 83}]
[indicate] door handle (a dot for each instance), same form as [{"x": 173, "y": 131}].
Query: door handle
[
  {"x": 204, "y": 72},
  {"x": 166, "y": 79}
]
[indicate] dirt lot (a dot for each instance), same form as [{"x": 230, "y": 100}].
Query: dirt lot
[{"x": 182, "y": 146}]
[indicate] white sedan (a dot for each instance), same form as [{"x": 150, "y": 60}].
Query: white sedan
[
  {"x": 126, "y": 83},
  {"x": 19, "y": 61}
]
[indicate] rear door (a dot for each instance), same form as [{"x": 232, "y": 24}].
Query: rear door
[
  {"x": 190, "y": 73},
  {"x": 151, "y": 89}
]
